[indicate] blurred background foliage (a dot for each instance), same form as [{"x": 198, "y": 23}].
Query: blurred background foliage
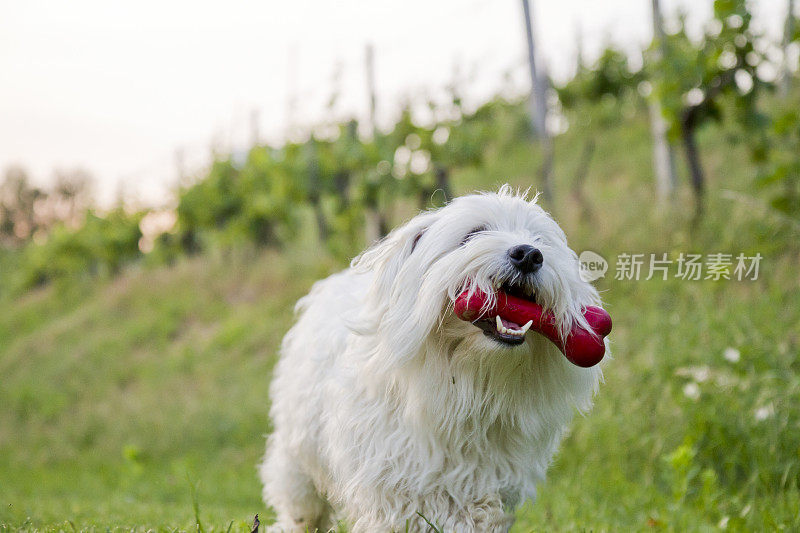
[
  {"x": 136, "y": 344},
  {"x": 353, "y": 182}
]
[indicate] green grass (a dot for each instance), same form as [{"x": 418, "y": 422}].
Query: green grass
[
  {"x": 139, "y": 389},
  {"x": 141, "y": 402}
]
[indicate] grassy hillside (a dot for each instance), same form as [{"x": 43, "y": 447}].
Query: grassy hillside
[
  {"x": 128, "y": 393},
  {"x": 141, "y": 401}
]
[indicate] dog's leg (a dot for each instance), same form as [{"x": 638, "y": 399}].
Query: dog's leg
[
  {"x": 485, "y": 514},
  {"x": 291, "y": 492}
]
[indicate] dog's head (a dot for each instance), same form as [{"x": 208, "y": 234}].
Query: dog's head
[{"x": 481, "y": 242}]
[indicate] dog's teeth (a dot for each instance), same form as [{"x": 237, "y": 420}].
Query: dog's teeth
[
  {"x": 526, "y": 327},
  {"x": 499, "y": 323}
]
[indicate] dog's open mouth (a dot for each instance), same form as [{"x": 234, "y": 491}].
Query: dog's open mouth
[
  {"x": 500, "y": 316},
  {"x": 504, "y": 329}
]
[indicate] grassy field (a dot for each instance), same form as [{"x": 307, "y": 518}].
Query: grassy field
[{"x": 140, "y": 402}]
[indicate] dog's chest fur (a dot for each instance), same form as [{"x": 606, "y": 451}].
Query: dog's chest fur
[{"x": 463, "y": 425}]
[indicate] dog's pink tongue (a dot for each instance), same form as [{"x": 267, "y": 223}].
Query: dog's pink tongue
[{"x": 581, "y": 347}]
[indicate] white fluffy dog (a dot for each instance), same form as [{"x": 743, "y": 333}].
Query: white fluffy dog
[{"x": 387, "y": 408}]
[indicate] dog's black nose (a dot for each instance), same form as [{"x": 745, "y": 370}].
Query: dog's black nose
[{"x": 526, "y": 258}]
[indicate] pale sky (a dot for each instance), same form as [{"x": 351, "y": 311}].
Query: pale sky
[{"x": 116, "y": 87}]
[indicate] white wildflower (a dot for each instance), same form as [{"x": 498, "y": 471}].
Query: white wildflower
[
  {"x": 701, "y": 373},
  {"x": 691, "y": 391},
  {"x": 732, "y": 354},
  {"x": 762, "y": 413}
]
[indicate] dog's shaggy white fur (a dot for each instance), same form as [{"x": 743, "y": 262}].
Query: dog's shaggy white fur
[{"x": 386, "y": 405}]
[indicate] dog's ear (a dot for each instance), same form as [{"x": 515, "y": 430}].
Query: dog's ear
[
  {"x": 386, "y": 257},
  {"x": 388, "y": 312}
]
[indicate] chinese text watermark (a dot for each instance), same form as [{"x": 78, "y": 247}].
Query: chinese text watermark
[{"x": 686, "y": 266}]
